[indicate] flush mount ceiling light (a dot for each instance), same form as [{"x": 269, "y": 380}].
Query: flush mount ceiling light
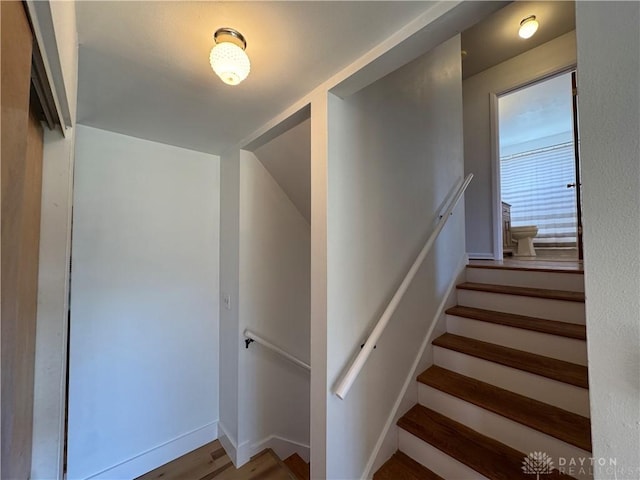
[
  {"x": 228, "y": 58},
  {"x": 528, "y": 27}
]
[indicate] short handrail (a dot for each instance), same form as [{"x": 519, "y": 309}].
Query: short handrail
[
  {"x": 345, "y": 383},
  {"x": 253, "y": 337}
]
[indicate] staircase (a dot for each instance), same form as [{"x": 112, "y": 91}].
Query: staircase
[
  {"x": 299, "y": 468},
  {"x": 509, "y": 379}
]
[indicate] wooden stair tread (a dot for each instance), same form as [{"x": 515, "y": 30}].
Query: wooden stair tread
[
  {"x": 566, "y": 426},
  {"x": 485, "y": 455},
  {"x": 403, "y": 467},
  {"x": 563, "y": 329},
  {"x": 529, "y": 362},
  {"x": 527, "y": 266},
  {"x": 298, "y": 466},
  {"x": 524, "y": 291}
]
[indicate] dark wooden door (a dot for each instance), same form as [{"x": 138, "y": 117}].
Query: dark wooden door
[
  {"x": 576, "y": 148},
  {"x": 21, "y": 170}
]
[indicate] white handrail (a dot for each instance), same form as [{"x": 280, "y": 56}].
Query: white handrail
[
  {"x": 257, "y": 338},
  {"x": 352, "y": 373}
]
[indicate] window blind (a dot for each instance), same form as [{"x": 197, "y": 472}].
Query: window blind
[{"x": 534, "y": 183}]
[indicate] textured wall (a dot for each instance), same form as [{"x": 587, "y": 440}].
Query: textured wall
[{"x": 609, "y": 96}]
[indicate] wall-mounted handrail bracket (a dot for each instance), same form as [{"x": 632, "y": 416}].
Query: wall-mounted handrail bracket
[
  {"x": 347, "y": 379},
  {"x": 253, "y": 337}
]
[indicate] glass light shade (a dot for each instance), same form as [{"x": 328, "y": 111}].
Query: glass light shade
[
  {"x": 230, "y": 62},
  {"x": 528, "y": 27}
]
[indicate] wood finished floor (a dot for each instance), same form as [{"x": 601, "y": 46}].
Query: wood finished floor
[
  {"x": 529, "y": 362},
  {"x": 533, "y": 264},
  {"x": 298, "y": 467},
  {"x": 212, "y": 462},
  {"x": 552, "y": 327},
  {"x": 566, "y": 426},
  {"x": 565, "y": 295},
  {"x": 485, "y": 455}
]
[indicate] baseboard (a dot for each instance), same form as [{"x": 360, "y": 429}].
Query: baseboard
[
  {"x": 243, "y": 453},
  {"x": 387, "y": 441},
  {"x": 481, "y": 256},
  {"x": 157, "y": 456},
  {"x": 283, "y": 447},
  {"x": 228, "y": 443}
]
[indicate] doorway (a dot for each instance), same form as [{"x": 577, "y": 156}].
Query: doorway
[{"x": 539, "y": 169}]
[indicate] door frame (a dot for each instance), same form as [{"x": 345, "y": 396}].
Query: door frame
[
  {"x": 54, "y": 32},
  {"x": 496, "y": 193}
]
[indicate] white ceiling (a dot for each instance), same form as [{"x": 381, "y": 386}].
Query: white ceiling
[
  {"x": 288, "y": 160},
  {"x": 495, "y": 39},
  {"x": 144, "y": 66}
]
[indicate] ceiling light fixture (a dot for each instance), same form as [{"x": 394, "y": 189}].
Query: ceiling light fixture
[
  {"x": 528, "y": 27},
  {"x": 228, "y": 58}
]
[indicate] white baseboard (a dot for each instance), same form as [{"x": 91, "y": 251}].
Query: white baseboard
[
  {"x": 228, "y": 443},
  {"x": 481, "y": 256},
  {"x": 243, "y": 453},
  {"x": 157, "y": 456},
  {"x": 388, "y": 440},
  {"x": 283, "y": 447}
]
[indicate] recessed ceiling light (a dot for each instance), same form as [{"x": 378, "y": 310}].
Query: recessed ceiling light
[
  {"x": 228, "y": 58},
  {"x": 528, "y": 27}
]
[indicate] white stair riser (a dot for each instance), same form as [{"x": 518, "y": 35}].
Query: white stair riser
[
  {"x": 561, "y": 310},
  {"x": 573, "y": 282},
  {"x": 514, "y": 434},
  {"x": 568, "y": 397},
  {"x": 435, "y": 460},
  {"x": 554, "y": 346}
]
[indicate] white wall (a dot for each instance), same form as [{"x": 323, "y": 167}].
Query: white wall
[
  {"x": 541, "y": 61},
  {"x": 56, "y": 22},
  {"x": 319, "y": 207},
  {"x": 275, "y": 242},
  {"x": 229, "y": 285},
  {"x": 288, "y": 159},
  {"x": 395, "y": 154},
  {"x": 609, "y": 106},
  {"x": 143, "y": 380}
]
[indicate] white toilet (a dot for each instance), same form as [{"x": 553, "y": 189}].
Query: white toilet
[{"x": 524, "y": 236}]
